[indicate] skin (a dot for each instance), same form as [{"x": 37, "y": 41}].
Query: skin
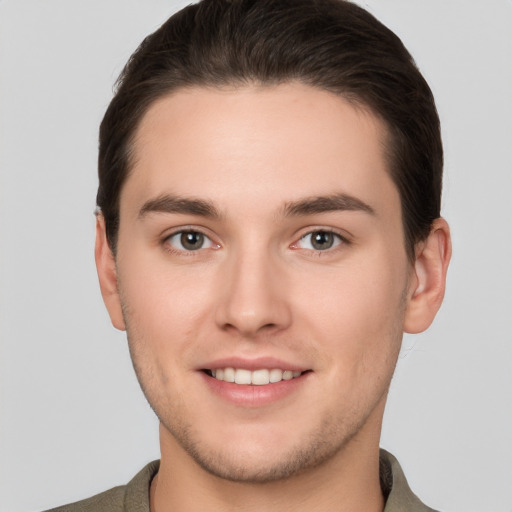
[{"x": 259, "y": 288}]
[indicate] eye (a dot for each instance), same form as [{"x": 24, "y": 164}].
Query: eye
[
  {"x": 189, "y": 241},
  {"x": 320, "y": 240}
]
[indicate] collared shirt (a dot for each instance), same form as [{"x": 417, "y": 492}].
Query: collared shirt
[{"x": 134, "y": 497}]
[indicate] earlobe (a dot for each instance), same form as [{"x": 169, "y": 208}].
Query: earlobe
[
  {"x": 429, "y": 278},
  {"x": 107, "y": 274}
]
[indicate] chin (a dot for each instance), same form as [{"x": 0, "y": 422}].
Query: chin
[
  {"x": 239, "y": 468},
  {"x": 263, "y": 462}
]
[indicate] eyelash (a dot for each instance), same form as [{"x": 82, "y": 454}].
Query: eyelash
[
  {"x": 184, "y": 252},
  {"x": 340, "y": 241}
]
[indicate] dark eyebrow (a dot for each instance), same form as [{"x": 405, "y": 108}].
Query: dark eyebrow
[
  {"x": 323, "y": 204},
  {"x": 173, "y": 204}
]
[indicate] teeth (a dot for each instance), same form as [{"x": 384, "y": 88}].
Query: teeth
[
  {"x": 256, "y": 378},
  {"x": 276, "y": 375},
  {"x": 260, "y": 377},
  {"x": 229, "y": 375},
  {"x": 242, "y": 377}
]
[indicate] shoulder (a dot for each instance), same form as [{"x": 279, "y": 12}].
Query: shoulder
[
  {"x": 133, "y": 496},
  {"x": 400, "y": 497},
  {"x": 111, "y": 501}
]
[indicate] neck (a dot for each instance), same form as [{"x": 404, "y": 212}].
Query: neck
[{"x": 347, "y": 481}]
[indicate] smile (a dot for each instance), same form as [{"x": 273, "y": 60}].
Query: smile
[{"x": 256, "y": 378}]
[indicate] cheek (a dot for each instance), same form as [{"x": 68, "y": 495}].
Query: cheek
[
  {"x": 161, "y": 295},
  {"x": 362, "y": 333},
  {"x": 154, "y": 312},
  {"x": 168, "y": 314},
  {"x": 162, "y": 320},
  {"x": 358, "y": 313}
]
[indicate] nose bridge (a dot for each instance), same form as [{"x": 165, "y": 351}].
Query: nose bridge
[{"x": 253, "y": 295}]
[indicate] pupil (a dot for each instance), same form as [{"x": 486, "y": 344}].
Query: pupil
[
  {"x": 322, "y": 240},
  {"x": 192, "y": 240}
]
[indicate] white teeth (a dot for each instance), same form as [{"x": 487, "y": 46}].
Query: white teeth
[
  {"x": 243, "y": 376},
  {"x": 229, "y": 374},
  {"x": 276, "y": 375},
  {"x": 256, "y": 377},
  {"x": 260, "y": 377}
]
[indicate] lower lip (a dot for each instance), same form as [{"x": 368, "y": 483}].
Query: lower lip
[{"x": 254, "y": 396}]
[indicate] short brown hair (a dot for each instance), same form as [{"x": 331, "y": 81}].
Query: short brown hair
[{"x": 330, "y": 44}]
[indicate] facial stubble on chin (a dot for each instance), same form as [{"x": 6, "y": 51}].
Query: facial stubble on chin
[{"x": 331, "y": 436}]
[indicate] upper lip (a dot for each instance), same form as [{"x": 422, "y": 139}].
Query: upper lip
[{"x": 253, "y": 364}]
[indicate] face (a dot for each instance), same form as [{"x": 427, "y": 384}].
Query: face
[{"x": 261, "y": 241}]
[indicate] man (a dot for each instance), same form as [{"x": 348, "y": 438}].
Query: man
[{"x": 268, "y": 227}]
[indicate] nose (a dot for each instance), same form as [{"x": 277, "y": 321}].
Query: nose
[{"x": 253, "y": 296}]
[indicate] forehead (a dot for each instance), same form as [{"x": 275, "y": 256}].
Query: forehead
[{"x": 278, "y": 142}]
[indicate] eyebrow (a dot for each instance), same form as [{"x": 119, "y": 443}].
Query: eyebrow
[
  {"x": 174, "y": 204},
  {"x": 324, "y": 204},
  {"x": 309, "y": 206}
]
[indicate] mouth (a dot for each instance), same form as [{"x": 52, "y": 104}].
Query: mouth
[{"x": 260, "y": 377}]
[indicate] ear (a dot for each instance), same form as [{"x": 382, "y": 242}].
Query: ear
[
  {"x": 427, "y": 284},
  {"x": 107, "y": 274}
]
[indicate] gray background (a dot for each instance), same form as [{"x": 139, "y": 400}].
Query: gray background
[{"x": 73, "y": 420}]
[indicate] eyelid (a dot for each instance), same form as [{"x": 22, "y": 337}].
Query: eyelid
[
  {"x": 343, "y": 238},
  {"x": 187, "y": 229}
]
